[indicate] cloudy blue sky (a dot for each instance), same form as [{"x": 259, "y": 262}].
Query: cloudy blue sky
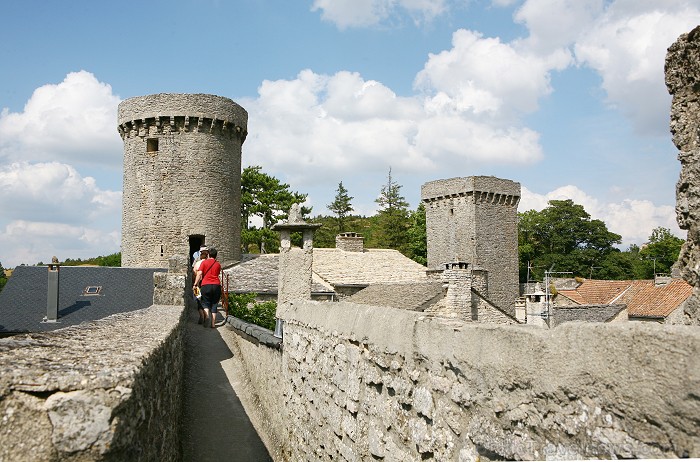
[{"x": 566, "y": 97}]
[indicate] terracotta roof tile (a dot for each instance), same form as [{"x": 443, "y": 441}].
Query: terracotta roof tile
[
  {"x": 642, "y": 297},
  {"x": 660, "y": 301}
]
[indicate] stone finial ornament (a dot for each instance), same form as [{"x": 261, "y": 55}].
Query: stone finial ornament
[{"x": 683, "y": 82}]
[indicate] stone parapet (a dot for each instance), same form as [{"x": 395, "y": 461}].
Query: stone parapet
[
  {"x": 253, "y": 332},
  {"x": 162, "y": 106},
  {"x": 483, "y": 188},
  {"x": 105, "y": 390},
  {"x": 366, "y": 383}
]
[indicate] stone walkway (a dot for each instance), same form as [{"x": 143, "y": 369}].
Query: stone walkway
[{"x": 215, "y": 426}]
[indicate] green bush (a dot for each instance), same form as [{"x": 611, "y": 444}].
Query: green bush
[{"x": 244, "y": 306}]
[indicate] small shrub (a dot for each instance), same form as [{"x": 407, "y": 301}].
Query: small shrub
[{"x": 244, "y": 306}]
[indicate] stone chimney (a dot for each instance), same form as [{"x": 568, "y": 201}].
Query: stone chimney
[
  {"x": 350, "y": 242},
  {"x": 295, "y": 263},
  {"x": 457, "y": 277}
]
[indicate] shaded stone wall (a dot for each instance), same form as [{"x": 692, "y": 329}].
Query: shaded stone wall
[
  {"x": 182, "y": 156},
  {"x": 365, "y": 383},
  {"x": 109, "y": 390},
  {"x": 683, "y": 83},
  {"x": 257, "y": 361}
]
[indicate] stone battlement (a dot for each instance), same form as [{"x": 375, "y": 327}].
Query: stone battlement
[
  {"x": 181, "y": 105},
  {"x": 168, "y": 124},
  {"x": 481, "y": 187},
  {"x": 483, "y": 197}
]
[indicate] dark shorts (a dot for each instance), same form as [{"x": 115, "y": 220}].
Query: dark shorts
[{"x": 211, "y": 294}]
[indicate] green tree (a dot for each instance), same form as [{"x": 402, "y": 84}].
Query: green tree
[
  {"x": 341, "y": 206},
  {"x": 417, "y": 236},
  {"x": 391, "y": 220},
  {"x": 266, "y": 197},
  {"x": 660, "y": 253},
  {"x": 3, "y": 278},
  {"x": 562, "y": 236}
]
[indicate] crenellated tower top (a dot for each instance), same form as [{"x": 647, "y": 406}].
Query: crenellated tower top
[{"x": 166, "y": 113}]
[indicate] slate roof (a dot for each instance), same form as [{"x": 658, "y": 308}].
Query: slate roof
[
  {"x": 23, "y": 300},
  {"x": 331, "y": 267},
  {"x": 642, "y": 297},
  {"x": 259, "y": 273},
  {"x": 584, "y": 313},
  {"x": 416, "y": 296},
  {"x": 373, "y": 266}
]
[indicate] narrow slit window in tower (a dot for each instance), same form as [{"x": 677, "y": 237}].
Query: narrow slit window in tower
[
  {"x": 152, "y": 145},
  {"x": 161, "y": 250}
]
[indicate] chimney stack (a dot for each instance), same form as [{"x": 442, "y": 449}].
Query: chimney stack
[
  {"x": 350, "y": 242},
  {"x": 52, "y": 292}
]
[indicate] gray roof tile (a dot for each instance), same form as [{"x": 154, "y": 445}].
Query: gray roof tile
[{"x": 23, "y": 300}]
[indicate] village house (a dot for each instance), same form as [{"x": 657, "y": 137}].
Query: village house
[
  {"x": 659, "y": 300},
  {"x": 336, "y": 273}
]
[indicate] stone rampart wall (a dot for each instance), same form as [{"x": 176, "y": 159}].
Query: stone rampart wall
[
  {"x": 108, "y": 390},
  {"x": 363, "y": 383}
]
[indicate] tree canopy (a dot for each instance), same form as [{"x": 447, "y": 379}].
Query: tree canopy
[
  {"x": 391, "y": 221},
  {"x": 562, "y": 236},
  {"x": 3, "y": 278},
  {"x": 341, "y": 206},
  {"x": 266, "y": 197},
  {"x": 660, "y": 253}
]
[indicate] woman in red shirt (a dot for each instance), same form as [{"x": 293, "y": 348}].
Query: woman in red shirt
[{"x": 208, "y": 274}]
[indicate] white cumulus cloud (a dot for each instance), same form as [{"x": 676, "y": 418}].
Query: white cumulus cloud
[
  {"x": 627, "y": 47},
  {"x": 344, "y": 124},
  {"x": 49, "y": 208},
  {"x": 482, "y": 75},
  {"x": 74, "y": 121},
  {"x": 634, "y": 220}
]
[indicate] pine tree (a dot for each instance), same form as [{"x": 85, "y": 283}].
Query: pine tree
[
  {"x": 341, "y": 206},
  {"x": 392, "y": 218}
]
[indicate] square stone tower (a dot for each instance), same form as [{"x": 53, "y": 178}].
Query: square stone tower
[{"x": 475, "y": 220}]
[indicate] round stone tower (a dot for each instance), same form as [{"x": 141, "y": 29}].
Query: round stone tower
[{"x": 182, "y": 176}]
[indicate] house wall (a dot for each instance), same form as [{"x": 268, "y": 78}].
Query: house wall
[
  {"x": 362, "y": 383},
  {"x": 197, "y": 167}
]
